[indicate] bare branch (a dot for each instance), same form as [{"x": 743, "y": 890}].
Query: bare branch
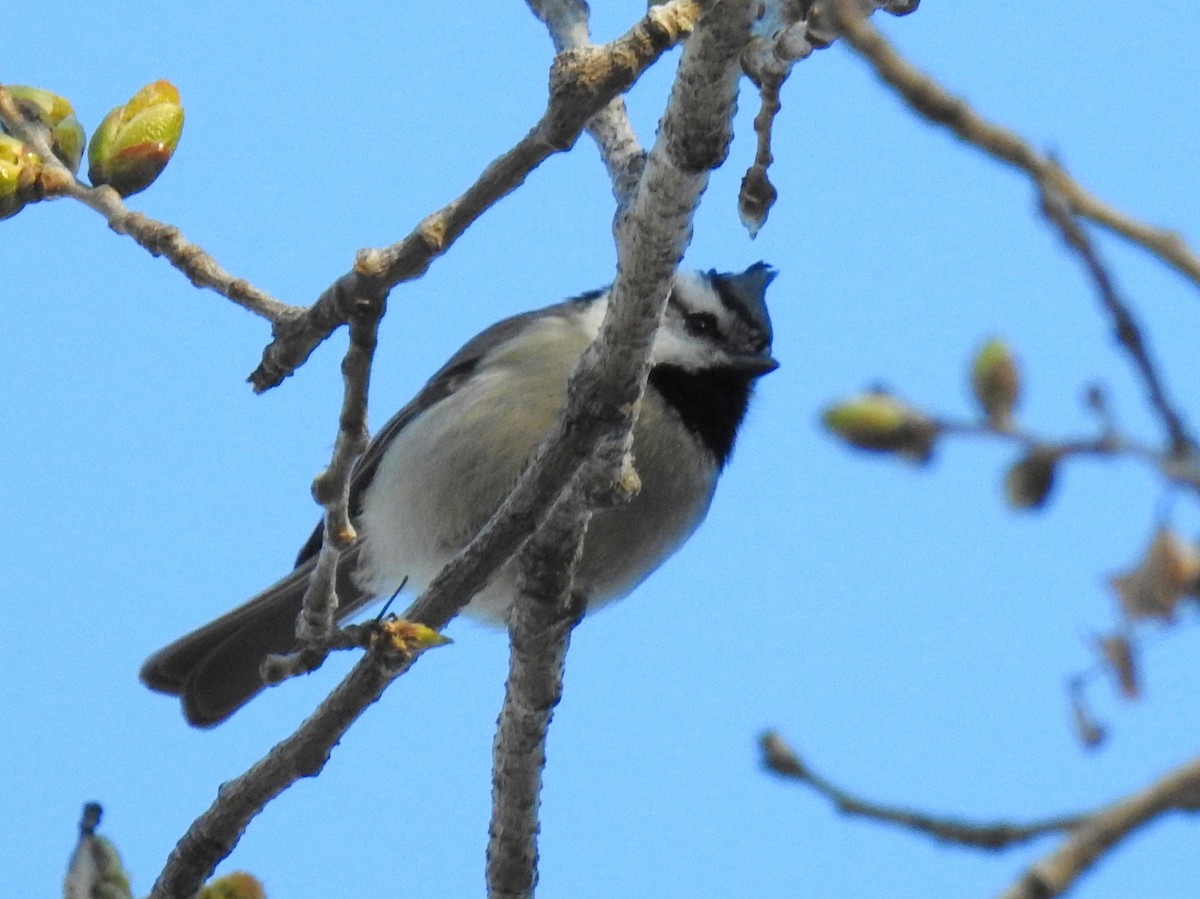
[
  {"x": 933, "y": 102},
  {"x": 582, "y": 82},
  {"x": 1089, "y": 836},
  {"x": 610, "y": 128},
  {"x": 159, "y": 238},
  {"x": 331, "y": 488},
  {"x": 602, "y": 402},
  {"x": 1091, "y": 840},
  {"x": 539, "y": 630},
  {"x": 693, "y": 139},
  {"x": 780, "y": 758},
  {"x": 1127, "y": 332},
  {"x": 212, "y": 836}
]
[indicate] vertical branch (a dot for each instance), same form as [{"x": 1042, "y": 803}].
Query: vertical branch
[
  {"x": 540, "y": 624},
  {"x": 610, "y": 128},
  {"x": 652, "y": 232},
  {"x": 331, "y": 488}
]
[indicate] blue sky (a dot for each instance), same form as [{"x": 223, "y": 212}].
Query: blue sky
[{"x": 905, "y": 630}]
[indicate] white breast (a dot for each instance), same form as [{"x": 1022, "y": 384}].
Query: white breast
[{"x": 449, "y": 469}]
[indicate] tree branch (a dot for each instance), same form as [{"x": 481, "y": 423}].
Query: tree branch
[
  {"x": 693, "y": 138},
  {"x": 540, "y": 624},
  {"x": 212, "y": 836},
  {"x": 929, "y": 99},
  {"x": 610, "y": 128},
  {"x": 602, "y": 401},
  {"x": 331, "y": 489},
  {"x": 159, "y": 238},
  {"x": 1099, "y": 832},
  {"x": 582, "y": 82},
  {"x": 777, "y": 756},
  {"x": 1125, "y": 328}
]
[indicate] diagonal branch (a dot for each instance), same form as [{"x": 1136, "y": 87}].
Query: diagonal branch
[
  {"x": 582, "y": 82},
  {"x": 1096, "y": 835},
  {"x": 930, "y": 100},
  {"x": 602, "y": 401},
  {"x": 1127, "y": 332},
  {"x": 213, "y": 835},
  {"x": 610, "y": 128},
  {"x": 1089, "y": 836},
  {"x": 159, "y": 238}
]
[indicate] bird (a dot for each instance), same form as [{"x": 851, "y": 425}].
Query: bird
[{"x": 432, "y": 477}]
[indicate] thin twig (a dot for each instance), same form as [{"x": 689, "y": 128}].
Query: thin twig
[
  {"x": 933, "y": 102},
  {"x": 610, "y": 128},
  {"x": 331, "y": 488},
  {"x": 159, "y": 238},
  {"x": 1094, "y": 837},
  {"x": 652, "y": 234},
  {"x": 1125, "y": 328},
  {"x": 782, "y": 759},
  {"x": 1111, "y": 444},
  {"x": 582, "y": 82}
]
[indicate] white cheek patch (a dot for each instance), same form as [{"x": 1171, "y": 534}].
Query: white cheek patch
[{"x": 673, "y": 345}]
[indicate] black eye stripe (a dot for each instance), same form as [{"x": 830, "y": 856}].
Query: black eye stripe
[{"x": 701, "y": 324}]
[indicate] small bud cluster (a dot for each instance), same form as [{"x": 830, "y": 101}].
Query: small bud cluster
[
  {"x": 128, "y": 151},
  {"x": 1168, "y": 573}
]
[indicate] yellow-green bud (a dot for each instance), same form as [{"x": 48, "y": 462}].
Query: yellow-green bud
[
  {"x": 996, "y": 382},
  {"x": 1030, "y": 480},
  {"x": 57, "y": 114},
  {"x": 880, "y": 422},
  {"x": 238, "y": 885},
  {"x": 20, "y": 168},
  {"x": 134, "y": 143}
]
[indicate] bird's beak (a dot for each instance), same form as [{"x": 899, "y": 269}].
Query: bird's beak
[{"x": 754, "y": 366}]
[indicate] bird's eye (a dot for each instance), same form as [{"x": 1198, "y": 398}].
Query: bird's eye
[{"x": 700, "y": 324}]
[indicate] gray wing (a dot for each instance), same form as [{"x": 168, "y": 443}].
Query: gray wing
[{"x": 449, "y": 378}]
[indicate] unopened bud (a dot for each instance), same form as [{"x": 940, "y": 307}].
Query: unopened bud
[
  {"x": 1118, "y": 655},
  {"x": 238, "y": 885},
  {"x": 134, "y": 143},
  {"x": 996, "y": 382},
  {"x": 755, "y": 199},
  {"x": 20, "y": 168},
  {"x": 95, "y": 869},
  {"x": 880, "y": 422},
  {"x": 57, "y": 114},
  {"x": 1030, "y": 480}
]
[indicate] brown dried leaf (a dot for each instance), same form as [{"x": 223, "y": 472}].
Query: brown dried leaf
[
  {"x": 1167, "y": 572},
  {"x": 1118, "y": 654},
  {"x": 1091, "y": 733}
]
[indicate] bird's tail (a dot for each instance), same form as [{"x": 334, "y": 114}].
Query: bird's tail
[{"x": 214, "y": 670}]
